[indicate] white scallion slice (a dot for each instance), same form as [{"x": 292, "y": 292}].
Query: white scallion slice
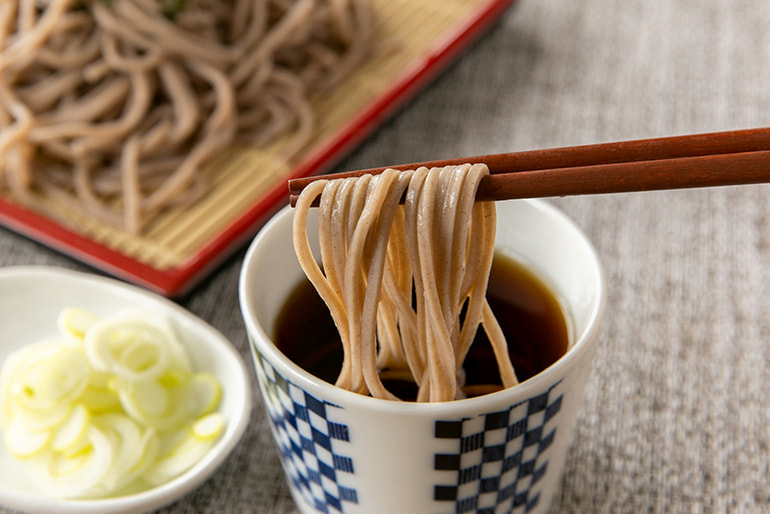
[
  {"x": 79, "y": 476},
  {"x": 170, "y": 440},
  {"x": 19, "y": 370},
  {"x": 22, "y": 442},
  {"x": 186, "y": 454},
  {"x": 75, "y": 322},
  {"x": 205, "y": 395},
  {"x": 128, "y": 442},
  {"x": 71, "y": 434},
  {"x": 44, "y": 419},
  {"x": 178, "y": 357},
  {"x": 154, "y": 405},
  {"x": 131, "y": 349},
  {"x": 209, "y": 427},
  {"x": 99, "y": 396},
  {"x": 147, "y": 450},
  {"x": 149, "y": 398},
  {"x": 56, "y": 378}
]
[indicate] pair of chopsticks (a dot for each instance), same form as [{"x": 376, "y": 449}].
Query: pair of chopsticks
[{"x": 700, "y": 160}]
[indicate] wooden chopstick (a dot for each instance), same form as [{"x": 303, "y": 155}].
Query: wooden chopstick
[{"x": 700, "y": 160}]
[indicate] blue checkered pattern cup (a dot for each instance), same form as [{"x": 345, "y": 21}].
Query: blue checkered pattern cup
[{"x": 498, "y": 453}]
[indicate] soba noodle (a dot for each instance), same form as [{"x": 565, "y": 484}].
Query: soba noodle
[
  {"x": 376, "y": 256},
  {"x": 113, "y": 107}
]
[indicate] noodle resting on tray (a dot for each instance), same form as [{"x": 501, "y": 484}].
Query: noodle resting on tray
[{"x": 113, "y": 106}]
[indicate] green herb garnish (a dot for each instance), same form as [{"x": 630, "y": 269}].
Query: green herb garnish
[{"x": 172, "y": 7}]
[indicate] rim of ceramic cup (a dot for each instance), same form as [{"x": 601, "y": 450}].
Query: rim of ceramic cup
[{"x": 583, "y": 341}]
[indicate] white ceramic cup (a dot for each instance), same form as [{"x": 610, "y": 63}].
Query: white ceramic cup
[{"x": 502, "y": 452}]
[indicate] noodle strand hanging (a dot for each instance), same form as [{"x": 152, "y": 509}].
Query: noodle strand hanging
[{"x": 405, "y": 285}]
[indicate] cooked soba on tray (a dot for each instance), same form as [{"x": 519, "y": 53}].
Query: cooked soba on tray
[{"x": 148, "y": 137}]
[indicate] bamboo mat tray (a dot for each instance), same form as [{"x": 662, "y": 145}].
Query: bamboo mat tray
[{"x": 178, "y": 248}]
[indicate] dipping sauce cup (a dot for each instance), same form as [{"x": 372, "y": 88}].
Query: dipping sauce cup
[{"x": 498, "y": 453}]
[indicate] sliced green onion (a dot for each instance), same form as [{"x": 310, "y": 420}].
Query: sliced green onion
[{"x": 109, "y": 405}]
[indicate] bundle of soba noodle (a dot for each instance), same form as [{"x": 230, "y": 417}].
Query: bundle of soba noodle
[
  {"x": 113, "y": 106},
  {"x": 377, "y": 255}
]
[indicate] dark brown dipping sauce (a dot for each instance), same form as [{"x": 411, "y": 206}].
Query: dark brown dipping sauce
[{"x": 528, "y": 312}]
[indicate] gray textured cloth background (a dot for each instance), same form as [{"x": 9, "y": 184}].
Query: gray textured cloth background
[{"x": 675, "y": 417}]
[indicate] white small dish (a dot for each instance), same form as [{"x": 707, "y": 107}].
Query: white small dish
[{"x": 31, "y": 298}]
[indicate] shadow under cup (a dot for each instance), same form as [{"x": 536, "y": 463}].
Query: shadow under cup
[{"x": 502, "y": 452}]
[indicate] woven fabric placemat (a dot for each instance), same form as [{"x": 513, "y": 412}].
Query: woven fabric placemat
[{"x": 675, "y": 417}]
